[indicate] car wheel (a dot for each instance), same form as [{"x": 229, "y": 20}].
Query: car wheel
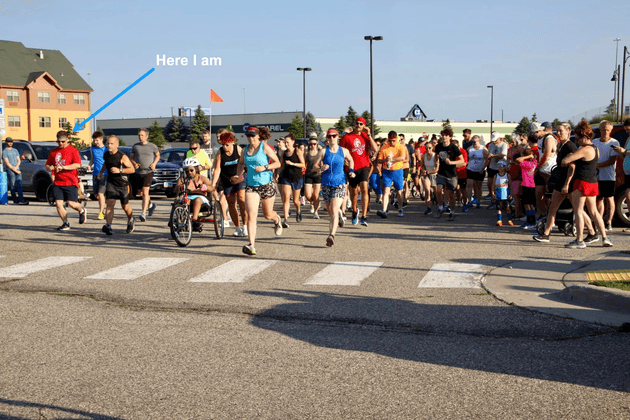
[
  {"x": 41, "y": 188},
  {"x": 621, "y": 208}
]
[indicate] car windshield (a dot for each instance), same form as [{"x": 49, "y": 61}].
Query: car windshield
[{"x": 42, "y": 152}]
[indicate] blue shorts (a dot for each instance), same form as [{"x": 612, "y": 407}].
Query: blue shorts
[
  {"x": 297, "y": 185},
  {"x": 393, "y": 177},
  {"x": 204, "y": 199},
  {"x": 375, "y": 183}
]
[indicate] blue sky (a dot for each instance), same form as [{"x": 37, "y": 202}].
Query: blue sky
[{"x": 554, "y": 58}]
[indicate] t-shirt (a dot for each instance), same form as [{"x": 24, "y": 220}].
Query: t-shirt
[
  {"x": 144, "y": 154},
  {"x": 64, "y": 157},
  {"x": 461, "y": 171},
  {"x": 497, "y": 149},
  {"x": 528, "y": 167},
  {"x": 468, "y": 144},
  {"x": 395, "y": 151},
  {"x": 356, "y": 145},
  {"x": 11, "y": 155},
  {"x": 206, "y": 148},
  {"x": 514, "y": 169},
  {"x": 409, "y": 156},
  {"x": 202, "y": 158},
  {"x": 607, "y": 173},
  {"x": 97, "y": 158},
  {"x": 560, "y": 172},
  {"x": 452, "y": 152}
]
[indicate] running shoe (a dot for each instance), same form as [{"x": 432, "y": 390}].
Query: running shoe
[
  {"x": 330, "y": 241},
  {"x": 499, "y": 223},
  {"x": 107, "y": 229},
  {"x": 22, "y": 203},
  {"x": 131, "y": 224},
  {"x": 298, "y": 217},
  {"x": 342, "y": 219},
  {"x": 491, "y": 206},
  {"x": 447, "y": 208},
  {"x": 527, "y": 226},
  {"x": 238, "y": 233},
  {"x": 381, "y": 214},
  {"x": 541, "y": 238},
  {"x": 312, "y": 209},
  {"x": 278, "y": 227},
  {"x": 510, "y": 223},
  {"x": 226, "y": 224},
  {"x": 151, "y": 209},
  {"x": 82, "y": 216},
  {"x": 401, "y": 213},
  {"x": 488, "y": 197},
  {"x": 405, "y": 204},
  {"x": 285, "y": 225},
  {"x": 355, "y": 218},
  {"x": 142, "y": 217},
  {"x": 589, "y": 239},
  {"x": 606, "y": 242},
  {"x": 315, "y": 216},
  {"x": 438, "y": 214},
  {"x": 465, "y": 208},
  {"x": 101, "y": 216},
  {"x": 303, "y": 201},
  {"x": 428, "y": 211},
  {"x": 576, "y": 244},
  {"x": 249, "y": 249},
  {"x": 451, "y": 216},
  {"x": 608, "y": 227},
  {"x": 245, "y": 230},
  {"x": 395, "y": 204},
  {"x": 363, "y": 221},
  {"x": 474, "y": 201},
  {"x": 64, "y": 226}
]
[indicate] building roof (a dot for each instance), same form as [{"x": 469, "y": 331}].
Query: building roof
[{"x": 21, "y": 66}]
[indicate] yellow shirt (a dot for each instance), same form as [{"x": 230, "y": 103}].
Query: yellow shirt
[
  {"x": 396, "y": 151},
  {"x": 202, "y": 158}
]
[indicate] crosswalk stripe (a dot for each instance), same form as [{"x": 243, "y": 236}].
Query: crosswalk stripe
[
  {"x": 234, "y": 271},
  {"x": 344, "y": 274},
  {"x": 453, "y": 275},
  {"x": 136, "y": 269},
  {"x": 24, "y": 269}
]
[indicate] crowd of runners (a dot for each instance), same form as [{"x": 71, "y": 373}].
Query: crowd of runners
[{"x": 528, "y": 177}]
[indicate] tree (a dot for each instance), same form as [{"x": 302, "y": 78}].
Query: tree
[
  {"x": 229, "y": 128},
  {"x": 156, "y": 134},
  {"x": 312, "y": 126},
  {"x": 73, "y": 138},
  {"x": 340, "y": 125},
  {"x": 368, "y": 118},
  {"x": 534, "y": 118},
  {"x": 351, "y": 117},
  {"x": 447, "y": 124},
  {"x": 176, "y": 131},
  {"x": 556, "y": 123},
  {"x": 297, "y": 127},
  {"x": 523, "y": 126},
  {"x": 199, "y": 124},
  {"x": 612, "y": 108}
]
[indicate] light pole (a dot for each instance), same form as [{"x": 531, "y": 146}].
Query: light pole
[
  {"x": 626, "y": 55},
  {"x": 244, "y": 108},
  {"x": 491, "y": 108},
  {"x": 616, "y": 75},
  {"x": 372, "y": 38},
  {"x": 304, "y": 70}
]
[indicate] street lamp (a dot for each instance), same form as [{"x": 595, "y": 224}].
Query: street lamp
[
  {"x": 244, "y": 108},
  {"x": 372, "y": 38},
  {"x": 616, "y": 76},
  {"x": 626, "y": 55},
  {"x": 304, "y": 70},
  {"x": 491, "y": 108}
]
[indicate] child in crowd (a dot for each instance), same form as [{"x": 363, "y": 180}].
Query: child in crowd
[
  {"x": 501, "y": 193},
  {"x": 528, "y": 164}
]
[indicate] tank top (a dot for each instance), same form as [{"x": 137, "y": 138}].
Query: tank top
[
  {"x": 334, "y": 175},
  {"x": 310, "y": 161},
  {"x": 257, "y": 179},
  {"x": 501, "y": 186},
  {"x": 289, "y": 172},
  {"x": 115, "y": 161},
  {"x": 229, "y": 163},
  {"x": 587, "y": 171},
  {"x": 429, "y": 165},
  {"x": 475, "y": 160}
]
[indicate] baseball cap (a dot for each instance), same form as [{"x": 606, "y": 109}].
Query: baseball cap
[
  {"x": 424, "y": 133},
  {"x": 361, "y": 120},
  {"x": 495, "y": 136},
  {"x": 547, "y": 124},
  {"x": 313, "y": 135},
  {"x": 332, "y": 131},
  {"x": 252, "y": 131},
  {"x": 279, "y": 139},
  {"x": 9, "y": 139},
  {"x": 502, "y": 163},
  {"x": 534, "y": 127}
]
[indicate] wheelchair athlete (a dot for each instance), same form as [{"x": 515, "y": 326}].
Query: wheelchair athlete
[{"x": 198, "y": 187}]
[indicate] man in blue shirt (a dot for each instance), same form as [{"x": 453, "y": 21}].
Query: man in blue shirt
[
  {"x": 12, "y": 161},
  {"x": 97, "y": 163}
]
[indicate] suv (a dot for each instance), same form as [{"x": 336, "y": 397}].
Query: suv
[
  {"x": 35, "y": 177},
  {"x": 165, "y": 175}
]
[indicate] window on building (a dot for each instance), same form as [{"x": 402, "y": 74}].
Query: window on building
[
  {"x": 78, "y": 121},
  {"x": 62, "y": 122},
  {"x": 79, "y": 99},
  {"x": 43, "y": 97},
  {"x": 13, "y": 96},
  {"x": 62, "y": 98},
  {"x": 14, "y": 122},
  {"x": 44, "y": 122}
]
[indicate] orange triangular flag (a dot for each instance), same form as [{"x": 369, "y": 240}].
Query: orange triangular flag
[{"x": 214, "y": 97}]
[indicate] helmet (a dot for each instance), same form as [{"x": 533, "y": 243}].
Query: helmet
[{"x": 190, "y": 162}]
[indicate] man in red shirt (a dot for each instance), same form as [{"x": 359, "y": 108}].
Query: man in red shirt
[
  {"x": 63, "y": 162},
  {"x": 357, "y": 143}
]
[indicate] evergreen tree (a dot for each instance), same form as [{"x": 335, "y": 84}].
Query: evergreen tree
[
  {"x": 229, "y": 128},
  {"x": 351, "y": 117},
  {"x": 534, "y": 118},
  {"x": 523, "y": 126},
  {"x": 297, "y": 127},
  {"x": 176, "y": 130},
  {"x": 156, "y": 134},
  {"x": 73, "y": 137},
  {"x": 340, "y": 125},
  {"x": 612, "y": 108},
  {"x": 368, "y": 118},
  {"x": 312, "y": 126},
  {"x": 199, "y": 124},
  {"x": 98, "y": 128},
  {"x": 446, "y": 124},
  {"x": 556, "y": 123}
]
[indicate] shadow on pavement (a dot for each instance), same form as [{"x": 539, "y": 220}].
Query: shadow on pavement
[
  {"x": 497, "y": 339},
  {"x": 58, "y": 412}
]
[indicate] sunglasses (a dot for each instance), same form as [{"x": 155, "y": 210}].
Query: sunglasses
[
  {"x": 331, "y": 136},
  {"x": 360, "y": 123},
  {"x": 194, "y": 149},
  {"x": 312, "y": 144},
  {"x": 191, "y": 170},
  {"x": 62, "y": 141}
]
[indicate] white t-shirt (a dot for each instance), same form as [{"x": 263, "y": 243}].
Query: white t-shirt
[
  {"x": 606, "y": 173},
  {"x": 497, "y": 149}
]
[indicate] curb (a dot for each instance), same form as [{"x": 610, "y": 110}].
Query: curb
[{"x": 596, "y": 297}]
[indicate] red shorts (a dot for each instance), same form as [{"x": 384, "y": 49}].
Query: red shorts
[{"x": 589, "y": 189}]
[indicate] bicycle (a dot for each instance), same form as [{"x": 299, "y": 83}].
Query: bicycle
[{"x": 181, "y": 223}]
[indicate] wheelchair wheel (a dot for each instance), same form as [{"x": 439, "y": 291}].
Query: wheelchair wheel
[
  {"x": 570, "y": 229},
  {"x": 181, "y": 226},
  {"x": 49, "y": 195},
  {"x": 217, "y": 215}
]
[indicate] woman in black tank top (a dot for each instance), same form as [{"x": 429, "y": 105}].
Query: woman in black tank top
[
  {"x": 312, "y": 177},
  {"x": 290, "y": 180},
  {"x": 225, "y": 166},
  {"x": 585, "y": 187}
]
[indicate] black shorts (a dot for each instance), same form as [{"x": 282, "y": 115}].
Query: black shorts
[
  {"x": 70, "y": 193},
  {"x": 528, "y": 195},
  {"x": 492, "y": 173},
  {"x": 143, "y": 180},
  {"x": 540, "y": 180},
  {"x": 475, "y": 176},
  {"x": 462, "y": 182},
  {"x": 113, "y": 192},
  {"x": 360, "y": 175},
  {"x": 405, "y": 174},
  {"x": 312, "y": 179},
  {"x": 228, "y": 188},
  {"x": 606, "y": 189}
]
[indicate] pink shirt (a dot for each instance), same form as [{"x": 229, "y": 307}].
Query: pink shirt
[{"x": 528, "y": 167}]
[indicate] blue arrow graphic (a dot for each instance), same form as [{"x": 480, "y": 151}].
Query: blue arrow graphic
[{"x": 80, "y": 126}]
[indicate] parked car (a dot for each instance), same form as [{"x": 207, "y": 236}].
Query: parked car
[
  {"x": 174, "y": 155},
  {"x": 35, "y": 177},
  {"x": 165, "y": 175}
]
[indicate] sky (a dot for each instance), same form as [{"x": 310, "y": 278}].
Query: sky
[{"x": 552, "y": 58}]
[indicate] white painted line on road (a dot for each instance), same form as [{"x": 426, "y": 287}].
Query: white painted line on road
[
  {"x": 24, "y": 269},
  {"x": 136, "y": 269},
  {"x": 455, "y": 275},
  {"x": 344, "y": 274},
  {"x": 234, "y": 271}
]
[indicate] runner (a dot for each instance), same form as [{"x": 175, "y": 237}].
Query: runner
[
  {"x": 375, "y": 176},
  {"x": 118, "y": 167},
  {"x": 528, "y": 164},
  {"x": 429, "y": 170},
  {"x": 331, "y": 160},
  {"x": 12, "y": 161},
  {"x": 467, "y": 143},
  {"x": 462, "y": 178},
  {"x": 96, "y": 161},
  {"x": 476, "y": 170},
  {"x": 198, "y": 153},
  {"x": 197, "y": 186},
  {"x": 450, "y": 157},
  {"x": 392, "y": 156},
  {"x": 144, "y": 158},
  {"x": 606, "y": 172},
  {"x": 497, "y": 150},
  {"x": 312, "y": 177},
  {"x": 357, "y": 143},
  {"x": 260, "y": 161},
  {"x": 547, "y": 145},
  {"x": 206, "y": 144},
  {"x": 225, "y": 165},
  {"x": 515, "y": 151},
  {"x": 63, "y": 162},
  {"x": 409, "y": 167},
  {"x": 419, "y": 150},
  {"x": 501, "y": 193},
  {"x": 290, "y": 179}
]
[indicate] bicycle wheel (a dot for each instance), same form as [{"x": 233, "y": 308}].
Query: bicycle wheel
[
  {"x": 217, "y": 214},
  {"x": 181, "y": 227}
]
